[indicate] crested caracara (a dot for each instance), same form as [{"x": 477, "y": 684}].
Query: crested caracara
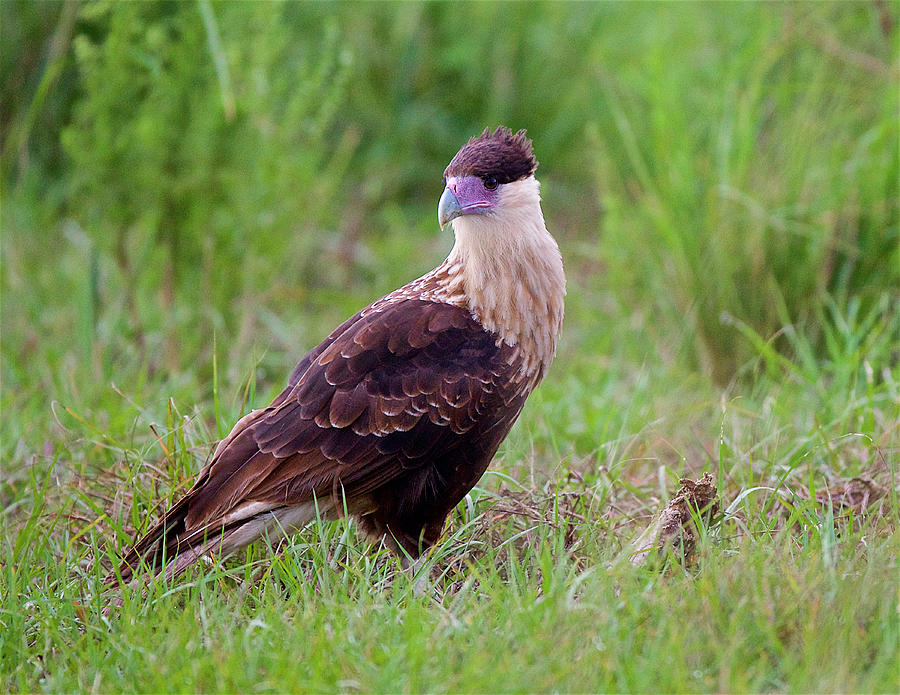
[{"x": 397, "y": 414}]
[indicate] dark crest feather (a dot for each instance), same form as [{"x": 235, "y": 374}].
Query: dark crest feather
[{"x": 505, "y": 155}]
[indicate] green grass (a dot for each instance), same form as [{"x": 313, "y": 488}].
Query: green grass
[
  {"x": 531, "y": 589},
  {"x": 728, "y": 218}
]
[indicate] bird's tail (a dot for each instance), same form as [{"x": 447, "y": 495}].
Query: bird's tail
[
  {"x": 155, "y": 549},
  {"x": 171, "y": 546}
]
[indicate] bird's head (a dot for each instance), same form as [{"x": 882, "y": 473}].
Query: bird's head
[{"x": 480, "y": 176}]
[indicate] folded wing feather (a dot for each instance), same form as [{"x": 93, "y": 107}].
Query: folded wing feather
[{"x": 386, "y": 392}]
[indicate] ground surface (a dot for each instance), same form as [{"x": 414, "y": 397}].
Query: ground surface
[{"x": 792, "y": 587}]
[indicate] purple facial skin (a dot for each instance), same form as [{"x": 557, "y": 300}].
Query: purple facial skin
[{"x": 465, "y": 195}]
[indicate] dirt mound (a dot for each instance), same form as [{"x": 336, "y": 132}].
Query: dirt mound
[{"x": 674, "y": 529}]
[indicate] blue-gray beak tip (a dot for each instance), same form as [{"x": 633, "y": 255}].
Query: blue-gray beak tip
[{"x": 448, "y": 208}]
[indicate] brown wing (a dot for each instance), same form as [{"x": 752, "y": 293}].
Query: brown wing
[
  {"x": 411, "y": 392},
  {"x": 385, "y": 393}
]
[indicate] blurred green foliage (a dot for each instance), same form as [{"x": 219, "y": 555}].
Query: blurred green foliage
[{"x": 176, "y": 168}]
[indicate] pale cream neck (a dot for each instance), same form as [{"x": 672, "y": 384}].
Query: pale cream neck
[{"x": 508, "y": 268}]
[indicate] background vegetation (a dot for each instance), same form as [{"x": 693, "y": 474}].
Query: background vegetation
[{"x": 195, "y": 193}]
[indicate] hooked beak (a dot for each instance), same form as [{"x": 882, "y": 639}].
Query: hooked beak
[{"x": 448, "y": 207}]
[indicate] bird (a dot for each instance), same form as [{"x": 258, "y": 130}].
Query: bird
[{"x": 396, "y": 415}]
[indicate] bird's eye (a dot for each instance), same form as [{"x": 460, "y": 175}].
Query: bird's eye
[{"x": 490, "y": 183}]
